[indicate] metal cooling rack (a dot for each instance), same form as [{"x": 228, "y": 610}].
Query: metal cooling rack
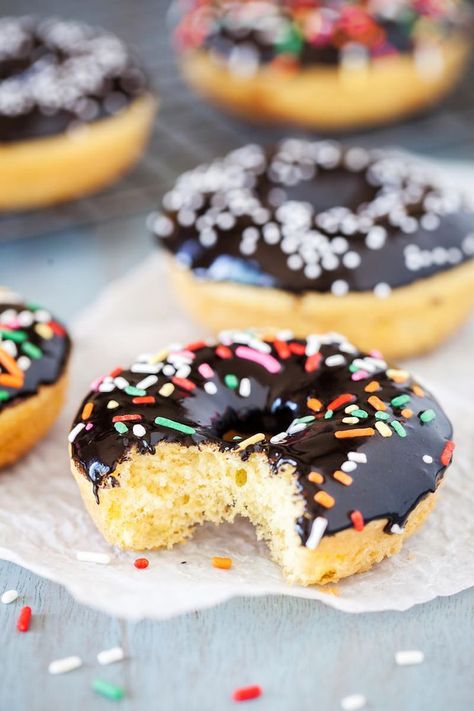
[{"x": 189, "y": 131}]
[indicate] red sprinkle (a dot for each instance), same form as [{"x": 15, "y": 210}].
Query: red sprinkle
[
  {"x": 141, "y": 563},
  {"x": 447, "y": 453},
  {"x": 57, "y": 328},
  {"x": 298, "y": 348},
  {"x": 312, "y": 362},
  {"x": 126, "y": 418},
  {"x": 282, "y": 349},
  {"x": 115, "y": 372},
  {"x": 24, "y": 619},
  {"x": 247, "y": 692},
  {"x": 223, "y": 352},
  {"x": 144, "y": 400},
  {"x": 195, "y": 346},
  {"x": 343, "y": 399},
  {"x": 184, "y": 383},
  {"x": 357, "y": 520}
]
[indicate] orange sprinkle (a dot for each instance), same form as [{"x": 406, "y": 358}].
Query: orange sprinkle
[
  {"x": 315, "y": 404},
  {"x": 222, "y": 563},
  {"x": 11, "y": 381},
  {"x": 342, "y": 477},
  {"x": 406, "y": 412},
  {"x": 372, "y": 387},
  {"x": 10, "y": 364},
  {"x": 324, "y": 499},
  {"x": 143, "y": 400},
  {"x": 315, "y": 478},
  {"x": 87, "y": 411},
  {"x": 360, "y": 432},
  {"x": 418, "y": 390},
  {"x": 357, "y": 520},
  {"x": 377, "y": 403}
]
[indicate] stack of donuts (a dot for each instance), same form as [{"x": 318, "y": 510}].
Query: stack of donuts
[{"x": 313, "y": 264}]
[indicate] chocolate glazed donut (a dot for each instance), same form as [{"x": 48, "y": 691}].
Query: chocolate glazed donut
[{"x": 354, "y": 441}]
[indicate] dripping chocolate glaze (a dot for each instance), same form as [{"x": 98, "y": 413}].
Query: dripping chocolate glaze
[
  {"x": 49, "y": 362},
  {"x": 314, "y": 216},
  {"x": 388, "y": 486},
  {"x": 56, "y": 74}
]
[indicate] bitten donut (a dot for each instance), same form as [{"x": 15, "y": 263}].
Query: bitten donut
[
  {"x": 75, "y": 110},
  {"x": 34, "y": 355},
  {"x": 314, "y": 237},
  {"x": 333, "y": 455},
  {"x": 332, "y": 64}
]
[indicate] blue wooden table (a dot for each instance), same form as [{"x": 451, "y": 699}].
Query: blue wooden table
[{"x": 304, "y": 654}]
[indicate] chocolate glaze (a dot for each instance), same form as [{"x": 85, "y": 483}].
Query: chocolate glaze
[
  {"x": 398, "y": 473},
  {"x": 56, "y": 74},
  {"x": 252, "y": 33},
  {"x": 22, "y": 326},
  {"x": 313, "y": 216}
]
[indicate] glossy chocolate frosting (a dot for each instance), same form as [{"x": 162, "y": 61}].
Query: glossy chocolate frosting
[
  {"x": 314, "y": 216},
  {"x": 363, "y": 438},
  {"x": 34, "y": 350},
  {"x": 56, "y": 75}
]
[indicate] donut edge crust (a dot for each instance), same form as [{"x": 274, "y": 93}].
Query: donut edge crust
[
  {"x": 414, "y": 319},
  {"x": 23, "y": 424},
  {"x": 388, "y": 89},
  {"x": 44, "y": 171},
  {"x": 159, "y": 499}
]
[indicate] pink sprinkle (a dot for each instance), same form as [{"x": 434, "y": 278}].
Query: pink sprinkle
[
  {"x": 89, "y": 426},
  {"x": 268, "y": 361},
  {"x": 360, "y": 375},
  {"x": 206, "y": 370},
  {"x": 375, "y": 353},
  {"x": 96, "y": 383}
]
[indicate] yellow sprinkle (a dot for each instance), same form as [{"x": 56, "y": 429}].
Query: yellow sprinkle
[
  {"x": 418, "y": 390},
  {"x": 349, "y": 408},
  {"x": 45, "y": 331},
  {"x": 406, "y": 412},
  {"x": 112, "y": 404},
  {"x": 161, "y": 355},
  {"x": 350, "y": 420},
  {"x": 166, "y": 389},
  {"x": 398, "y": 376},
  {"x": 383, "y": 428},
  {"x": 250, "y": 440},
  {"x": 222, "y": 563}
]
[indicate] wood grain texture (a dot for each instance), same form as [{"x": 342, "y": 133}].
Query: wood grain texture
[{"x": 305, "y": 655}]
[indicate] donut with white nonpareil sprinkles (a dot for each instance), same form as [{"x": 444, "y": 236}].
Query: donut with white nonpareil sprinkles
[
  {"x": 334, "y": 455},
  {"x": 327, "y": 64},
  {"x": 310, "y": 235},
  {"x": 34, "y": 356},
  {"x": 75, "y": 110}
]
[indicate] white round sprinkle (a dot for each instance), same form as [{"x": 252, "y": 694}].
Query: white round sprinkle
[
  {"x": 109, "y": 656},
  {"x": 427, "y": 459},
  {"x": 396, "y": 529},
  {"x": 351, "y": 260},
  {"x": 376, "y": 237},
  {"x": 382, "y": 290},
  {"x": 407, "y": 657},
  {"x": 349, "y": 466},
  {"x": 353, "y": 702},
  {"x": 139, "y": 431},
  {"x": 210, "y": 388},
  {"x": 61, "y": 666},
  {"x": 92, "y": 557},
  {"x": 339, "y": 287},
  {"x": 9, "y": 596}
]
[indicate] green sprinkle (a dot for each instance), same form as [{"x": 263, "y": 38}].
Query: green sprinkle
[
  {"x": 427, "y": 416},
  {"x": 353, "y": 368},
  {"x": 328, "y": 414},
  {"x": 32, "y": 306},
  {"x": 291, "y": 42},
  {"x": 359, "y": 413},
  {"x": 110, "y": 691},
  {"x": 231, "y": 381},
  {"x": 399, "y": 428},
  {"x": 121, "y": 427},
  {"x": 400, "y": 400},
  {"x": 17, "y": 336},
  {"x": 236, "y": 438},
  {"x": 382, "y": 415},
  {"x": 4, "y": 395},
  {"x": 306, "y": 418},
  {"x": 173, "y": 425},
  {"x": 31, "y": 350},
  {"x": 130, "y": 390}
]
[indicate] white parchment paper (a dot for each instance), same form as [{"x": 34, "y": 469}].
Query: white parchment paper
[{"x": 43, "y": 522}]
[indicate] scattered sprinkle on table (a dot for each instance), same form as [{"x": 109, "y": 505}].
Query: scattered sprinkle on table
[
  {"x": 109, "y": 656},
  {"x": 110, "y": 691},
  {"x": 407, "y": 657},
  {"x": 141, "y": 563},
  {"x": 61, "y": 666},
  {"x": 9, "y": 596},
  {"x": 353, "y": 702},
  {"x": 222, "y": 563},
  {"x": 24, "y": 619},
  {"x": 91, "y": 557},
  {"x": 246, "y": 693}
]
